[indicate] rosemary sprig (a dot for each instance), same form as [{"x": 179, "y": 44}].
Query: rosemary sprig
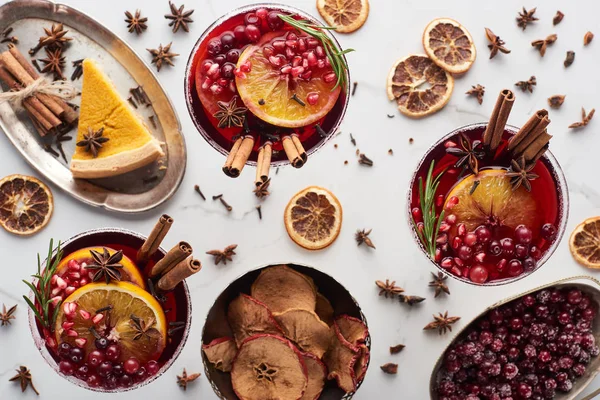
[
  {"x": 43, "y": 291},
  {"x": 431, "y": 222},
  {"x": 334, "y": 53}
]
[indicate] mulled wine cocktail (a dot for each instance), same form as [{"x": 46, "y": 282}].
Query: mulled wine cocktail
[
  {"x": 108, "y": 326},
  {"x": 256, "y": 74},
  {"x": 483, "y": 216}
]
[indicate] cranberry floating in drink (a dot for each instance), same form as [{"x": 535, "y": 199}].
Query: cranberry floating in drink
[
  {"x": 111, "y": 310},
  {"x": 488, "y": 203},
  {"x": 266, "y": 84}
]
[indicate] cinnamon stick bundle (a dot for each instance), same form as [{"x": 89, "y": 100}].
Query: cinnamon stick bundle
[
  {"x": 294, "y": 150},
  {"x": 155, "y": 238},
  {"x": 181, "y": 271},
  {"x": 532, "y": 130},
  {"x": 239, "y": 154},
  {"x": 177, "y": 254},
  {"x": 263, "y": 163},
  {"x": 495, "y": 128}
]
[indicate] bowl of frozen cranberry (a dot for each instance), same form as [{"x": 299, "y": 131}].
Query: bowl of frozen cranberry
[{"x": 542, "y": 344}]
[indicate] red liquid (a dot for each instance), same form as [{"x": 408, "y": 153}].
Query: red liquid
[
  {"x": 544, "y": 191},
  {"x": 223, "y": 138}
]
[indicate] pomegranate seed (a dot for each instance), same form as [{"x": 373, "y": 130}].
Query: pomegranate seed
[
  {"x": 51, "y": 342},
  {"x": 296, "y": 61},
  {"x": 420, "y": 227},
  {"x": 438, "y": 255},
  {"x": 302, "y": 44},
  {"x": 465, "y": 272},
  {"x": 459, "y": 262},
  {"x": 76, "y": 284},
  {"x": 452, "y": 201},
  {"x": 456, "y": 271},
  {"x": 292, "y": 36},
  {"x": 307, "y": 75},
  {"x": 237, "y": 72},
  {"x": 444, "y": 227},
  {"x": 55, "y": 300},
  {"x": 91, "y": 275},
  {"x": 289, "y": 53},
  {"x": 232, "y": 87},
  {"x": 320, "y": 64},
  {"x": 213, "y": 71},
  {"x": 73, "y": 265},
  {"x": 462, "y": 230},
  {"x": 262, "y": 13},
  {"x": 279, "y": 45},
  {"x": 312, "y": 43},
  {"x": 84, "y": 314},
  {"x": 312, "y": 98},
  {"x": 327, "y": 62},
  {"x": 53, "y": 280},
  {"x": 66, "y": 325},
  {"x": 252, "y": 33},
  {"x": 206, "y": 64},
  {"x": 449, "y": 143},
  {"x": 447, "y": 262},
  {"x": 416, "y": 214},
  {"x": 223, "y": 82},
  {"x": 470, "y": 239},
  {"x": 268, "y": 51},
  {"x": 456, "y": 243},
  {"x": 74, "y": 275},
  {"x": 246, "y": 66},
  {"x": 69, "y": 308},
  {"x": 60, "y": 283},
  {"x": 305, "y": 63},
  {"x": 329, "y": 77},
  {"x": 296, "y": 71},
  {"x": 206, "y": 83},
  {"x": 69, "y": 290},
  {"x": 319, "y": 51},
  {"x": 451, "y": 219},
  {"x": 311, "y": 59},
  {"x": 275, "y": 61},
  {"x": 216, "y": 89},
  {"x": 442, "y": 238},
  {"x": 439, "y": 200},
  {"x": 480, "y": 256},
  {"x": 286, "y": 70},
  {"x": 97, "y": 318},
  {"x": 56, "y": 291},
  {"x": 80, "y": 342},
  {"x": 72, "y": 333},
  {"x": 292, "y": 44}
]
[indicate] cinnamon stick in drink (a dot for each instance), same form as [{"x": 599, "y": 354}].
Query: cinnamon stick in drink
[
  {"x": 263, "y": 164},
  {"x": 537, "y": 148},
  {"x": 155, "y": 238},
  {"x": 291, "y": 151},
  {"x": 533, "y": 128},
  {"x": 495, "y": 128},
  {"x": 181, "y": 271},
  {"x": 232, "y": 153},
  {"x": 177, "y": 254},
  {"x": 242, "y": 156}
]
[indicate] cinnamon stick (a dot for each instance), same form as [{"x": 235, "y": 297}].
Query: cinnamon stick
[
  {"x": 181, "y": 271},
  {"x": 177, "y": 254},
  {"x": 242, "y": 156},
  {"x": 299, "y": 147},
  {"x": 155, "y": 238},
  {"x": 540, "y": 144},
  {"x": 495, "y": 128},
  {"x": 291, "y": 151},
  {"x": 263, "y": 164},
  {"x": 232, "y": 153},
  {"x": 529, "y": 132}
]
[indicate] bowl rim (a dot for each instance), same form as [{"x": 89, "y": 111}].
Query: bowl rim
[
  {"x": 39, "y": 342},
  {"x": 563, "y": 207},
  {"x": 189, "y": 92}
]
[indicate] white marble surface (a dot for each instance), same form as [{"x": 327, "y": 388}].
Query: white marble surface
[{"x": 372, "y": 197}]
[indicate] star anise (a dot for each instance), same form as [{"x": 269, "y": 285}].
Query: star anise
[
  {"x": 520, "y": 174},
  {"x": 477, "y": 91},
  {"x": 585, "y": 118},
  {"x": 542, "y": 44},
  {"x": 142, "y": 328},
  {"x": 439, "y": 284},
  {"x": 223, "y": 255},
  {"x": 55, "y": 38},
  {"x": 184, "y": 379},
  {"x": 496, "y": 44},
  {"x": 390, "y": 368},
  {"x": 162, "y": 54},
  {"x": 54, "y": 63},
  {"x": 25, "y": 379},
  {"x": 180, "y": 18},
  {"x": 469, "y": 153},
  {"x": 92, "y": 141},
  {"x": 525, "y": 17},
  {"x": 106, "y": 265},
  {"x": 442, "y": 323},
  {"x": 229, "y": 114},
  {"x": 262, "y": 190},
  {"x": 388, "y": 289},
  {"x": 410, "y": 300},
  {"x": 362, "y": 236},
  {"x": 135, "y": 23},
  {"x": 7, "y": 315},
  {"x": 527, "y": 85},
  {"x": 556, "y": 101}
]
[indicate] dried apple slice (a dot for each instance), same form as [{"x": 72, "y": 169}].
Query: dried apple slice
[
  {"x": 304, "y": 328},
  {"x": 317, "y": 373},
  {"x": 324, "y": 309},
  {"x": 281, "y": 288},
  {"x": 248, "y": 316},
  {"x": 362, "y": 362},
  {"x": 268, "y": 367},
  {"x": 220, "y": 353},
  {"x": 340, "y": 361},
  {"x": 352, "y": 329}
]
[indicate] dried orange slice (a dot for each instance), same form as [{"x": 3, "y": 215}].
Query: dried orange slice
[
  {"x": 313, "y": 218},
  {"x": 585, "y": 243},
  {"x": 26, "y": 204},
  {"x": 449, "y": 45},
  {"x": 419, "y": 86},
  {"x": 345, "y": 16}
]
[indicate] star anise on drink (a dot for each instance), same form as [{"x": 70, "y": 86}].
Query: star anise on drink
[
  {"x": 496, "y": 44},
  {"x": 525, "y": 17},
  {"x": 469, "y": 152},
  {"x": 184, "y": 379},
  {"x": 262, "y": 190},
  {"x": 24, "y": 377},
  {"x": 585, "y": 119},
  {"x": 439, "y": 284},
  {"x": 442, "y": 323},
  {"x": 223, "y": 255},
  {"x": 162, "y": 55},
  {"x": 542, "y": 44},
  {"x": 135, "y": 22},
  {"x": 527, "y": 85},
  {"x": 107, "y": 266},
  {"x": 478, "y": 92},
  {"x": 180, "y": 18},
  {"x": 54, "y": 63},
  {"x": 390, "y": 368},
  {"x": 229, "y": 114},
  {"x": 410, "y": 300},
  {"x": 362, "y": 236},
  {"x": 92, "y": 141},
  {"x": 388, "y": 289},
  {"x": 520, "y": 174},
  {"x": 142, "y": 328},
  {"x": 7, "y": 315},
  {"x": 55, "y": 38},
  {"x": 556, "y": 101}
]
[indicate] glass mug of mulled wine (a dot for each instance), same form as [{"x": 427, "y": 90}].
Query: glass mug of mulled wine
[
  {"x": 481, "y": 216},
  {"x": 264, "y": 85}
]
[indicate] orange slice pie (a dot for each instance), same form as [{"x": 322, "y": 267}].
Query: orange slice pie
[{"x": 129, "y": 146}]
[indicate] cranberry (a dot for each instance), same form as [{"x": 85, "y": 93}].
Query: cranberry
[
  {"x": 227, "y": 41},
  {"x": 529, "y": 351},
  {"x": 118, "y": 369},
  {"x": 516, "y": 324},
  {"x": 240, "y": 34},
  {"x": 446, "y": 388},
  {"x": 564, "y": 318},
  {"x": 535, "y": 252},
  {"x": 66, "y": 367},
  {"x": 588, "y": 341},
  {"x": 465, "y": 253},
  {"x": 478, "y": 274},
  {"x": 513, "y": 353},
  {"x": 131, "y": 365},
  {"x": 523, "y": 234},
  {"x": 544, "y": 356},
  {"x": 509, "y": 371},
  {"x": 529, "y": 264},
  {"x": 125, "y": 381},
  {"x": 252, "y": 33},
  {"x": 76, "y": 355},
  {"x": 251, "y": 18},
  {"x": 95, "y": 358},
  {"x": 273, "y": 20},
  {"x": 152, "y": 367},
  {"x": 220, "y": 60},
  {"x": 548, "y": 231},
  {"x": 93, "y": 380},
  {"x": 496, "y": 317},
  {"x": 524, "y": 390},
  {"x": 470, "y": 239},
  {"x": 64, "y": 350},
  {"x": 521, "y": 251},
  {"x": 214, "y": 47},
  {"x": 105, "y": 369},
  {"x": 574, "y": 296},
  {"x": 508, "y": 246},
  {"x": 111, "y": 382},
  {"x": 579, "y": 369},
  {"x": 232, "y": 56},
  {"x": 496, "y": 345},
  {"x": 484, "y": 235},
  {"x": 515, "y": 268},
  {"x": 227, "y": 70},
  {"x": 101, "y": 343},
  {"x": 141, "y": 374},
  {"x": 565, "y": 386},
  {"x": 82, "y": 372},
  {"x": 543, "y": 296}
]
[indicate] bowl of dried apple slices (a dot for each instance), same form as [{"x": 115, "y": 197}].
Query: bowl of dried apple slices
[{"x": 285, "y": 332}]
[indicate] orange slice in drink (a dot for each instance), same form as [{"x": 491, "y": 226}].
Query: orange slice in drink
[
  {"x": 26, "y": 204},
  {"x": 449, "y": 45},
  {"x": 283, "y": 87},
  {"x": 135, "y": 320},
  {"x": 585, "y": 243},
  {"x": 492, "y": 203}
]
